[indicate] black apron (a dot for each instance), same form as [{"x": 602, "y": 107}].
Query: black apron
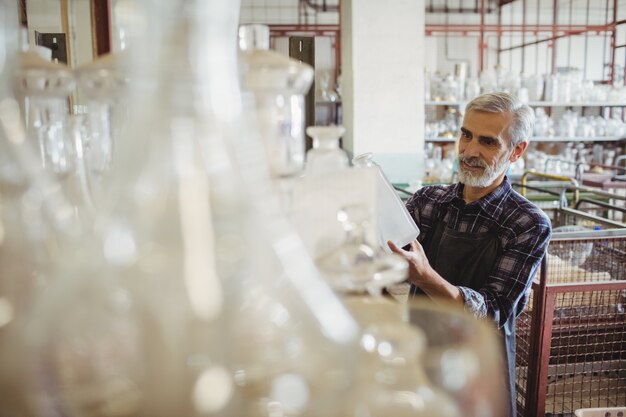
[{"x": 465, "y": 259}]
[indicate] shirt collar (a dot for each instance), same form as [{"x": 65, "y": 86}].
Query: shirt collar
[{"x": 491, "y": 204}]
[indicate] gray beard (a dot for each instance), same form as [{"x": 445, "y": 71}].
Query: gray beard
[{"x": 488, "y": 176}]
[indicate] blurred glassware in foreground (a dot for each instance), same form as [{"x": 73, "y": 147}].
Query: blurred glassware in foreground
[
  {"x": 103, "y": 83},
  {"x": 358, "y": 266},
  {"x": 463, "y": 357},
  {"x": 191, "y": 296},
  {"x": 46, "y": 87},
  {"x": 325, "y": 156},
  {"x": 279, "y": 84}
]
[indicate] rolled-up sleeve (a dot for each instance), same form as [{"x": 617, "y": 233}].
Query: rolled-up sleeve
[{"x": 504, "y": 293}]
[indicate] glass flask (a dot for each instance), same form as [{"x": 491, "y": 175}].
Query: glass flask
[
  {"x": 463, "y": 357},
  {"x": 279, "y": 84},
  {"x": 356, "y": 266},
  {"x": 393, "y": 221},
  {"x": 193, "y": 297},
  {"x": 326, "y": 156}
]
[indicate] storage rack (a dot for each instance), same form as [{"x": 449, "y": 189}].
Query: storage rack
[{"x": 571, "y": 341}]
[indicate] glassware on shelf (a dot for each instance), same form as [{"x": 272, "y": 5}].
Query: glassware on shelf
[
  {"x": 460, "y": 76},
  {"x": 535, "y": 84},
  {"x": 357, "y": 266},
  {"x": 472, "y": 88},
  {"x": 279, "y": 84},
  {"x": 450, "y": 88},
  {"x": 326, "y": 91},
  {"x": 393, "y": 221},
  {"x": 325, "y": 156},
  {"x": 551, "y": 93},
  {"x": 432, "y": 163},
  {"x": 566, "y": 126},
  {"x": 488, "y": 81}
]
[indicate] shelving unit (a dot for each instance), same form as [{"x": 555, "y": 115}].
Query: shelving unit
[{"x": 461, "y": 105}]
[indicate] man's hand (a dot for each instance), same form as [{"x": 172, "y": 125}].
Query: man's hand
[
  {"x": 416, "y": 257},
  {"x": 423, "y": 275}
]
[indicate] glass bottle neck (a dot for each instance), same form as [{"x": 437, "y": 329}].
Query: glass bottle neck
[{"x": 325, "y": 143}]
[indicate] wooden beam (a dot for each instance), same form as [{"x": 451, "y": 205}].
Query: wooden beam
[{"x": 101, "y": 26}]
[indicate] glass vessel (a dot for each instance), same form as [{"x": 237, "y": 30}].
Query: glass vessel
[
  {"x": 326, "y": 156},
  {"x": 463, "y": 357},
  {"x": 356, "y": 266},
  {"x": 279, "y": 84},
  {"x": 192, "y": 296},
  {"x": 392, "y": 379},
  {"x": 392, "y": 219}
]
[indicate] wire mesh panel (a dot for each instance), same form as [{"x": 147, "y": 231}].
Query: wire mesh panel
[
  {"x": 571, "y": 350},
  {"x": 523, "y": 355}
]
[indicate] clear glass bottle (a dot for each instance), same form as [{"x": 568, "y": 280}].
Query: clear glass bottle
[
  {"x": 392, "y": 219},
  {"x": 326, "y": 156},
  {"x": 193, "y": 297}
]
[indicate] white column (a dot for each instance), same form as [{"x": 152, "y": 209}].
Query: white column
[{"x": 383, "y": 88}]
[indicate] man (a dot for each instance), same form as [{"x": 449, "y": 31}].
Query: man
[{"x": 481, "y": 242}]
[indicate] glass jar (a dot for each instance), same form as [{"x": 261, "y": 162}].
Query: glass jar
[{"x": 326, "y": 156}]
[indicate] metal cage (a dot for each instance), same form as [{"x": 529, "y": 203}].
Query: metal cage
[{"x": 571, "y": 340}]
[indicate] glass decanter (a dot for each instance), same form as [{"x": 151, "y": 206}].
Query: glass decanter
[
  {"x": 392, "y": 219},
  {"x": 326, "y": 156},
  {"x": 356, "y": 266}
]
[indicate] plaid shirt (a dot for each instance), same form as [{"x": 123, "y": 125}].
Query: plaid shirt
[{"x": 523, "y": 230}]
